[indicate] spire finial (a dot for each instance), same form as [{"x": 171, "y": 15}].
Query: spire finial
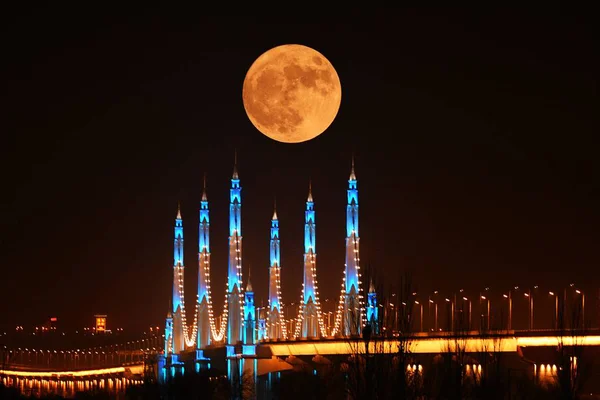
[
  {"x": 274, "y": 208},
  {"x": 178, "y": 210},
  {"x": 310, "y": 198},
  {"x": 371, "y": 286},
  {"x": 204, "y": 198},
  {"x": 249, "y": 285},
  {"x": 235, "y": 172},
  {"x": 352, "y": 174}
]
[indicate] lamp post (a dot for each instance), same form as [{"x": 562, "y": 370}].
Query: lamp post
[
  {"x": 582, "y": 307},
  {"x": 421, "y": 320},
  {"x": 451, "y": 314},
  {"x": 510, "y": 305},
  {"x": 487, "y": 300},
  {"x": 509, "y": 297},
  {"x": 466, "y": 299},
  {"x": 435, "y": 313},
  {"x": 429, "y": 303},
  {"x": 555, "y": 309},
  {"x": 530, "y": 299}
]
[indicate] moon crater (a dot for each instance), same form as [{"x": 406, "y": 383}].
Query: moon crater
[{"x": 291, "y": 93}]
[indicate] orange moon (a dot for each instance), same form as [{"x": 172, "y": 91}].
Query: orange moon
[{"x": 292, "y": 93}]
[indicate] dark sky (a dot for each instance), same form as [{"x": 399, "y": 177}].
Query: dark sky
[{"x": 474, "y": 136}]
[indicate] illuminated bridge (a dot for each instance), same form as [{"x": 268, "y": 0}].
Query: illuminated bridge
[
  {"x": 112, "y": 367},
  {"x": 116, "y": 367},
  {"x": 263, "y": 342}
]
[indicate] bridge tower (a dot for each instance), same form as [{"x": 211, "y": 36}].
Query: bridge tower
[
  {"x": 310, "y": 311},
  {"x": 176, "y": 322},
  {"x": 372, "y": 311},
  {"x": 249, "y": 314},
  {"x": 235, "y": 297},
  {"x": 203, "y": 339},
  {"x": 276, "y": 327},
  {"x": 169, "y": 331},
  {"x": 353, "y": 301}
]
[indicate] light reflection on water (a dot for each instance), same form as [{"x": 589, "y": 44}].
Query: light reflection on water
[{"x": 68, "y": 387}]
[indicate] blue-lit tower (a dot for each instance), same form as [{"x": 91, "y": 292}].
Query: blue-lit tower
[
  {"x": 177, "y": 341},
  {"x": 249, "y": 314},
  {"x": 177, "y": 261},
  {"x": 353, "y": 304},
  {"x": 262, "y": 324},
  {"x": 203, "y": 338},
  {"x": 372, "y": 313},
  {"x": 234, "y": 277},
  {"x": 276, "y": 326},
  {"x": 169, "y": 333},
  {"x": 310, "y": 302}
]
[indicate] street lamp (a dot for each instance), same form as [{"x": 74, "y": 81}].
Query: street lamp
[
  {"x": 509, "y": 297},
  {"x": 555, "y": 309},
  {"x": 510, "y": 306},
  {"x": 435, "y": 321},
  {"x": 466, "y": 299},
  {"x": 482, "y": 297},
  {"x": 530, "y": 298},
  {"x": 451, "y": 313},
  {"x": 582, "y": 307},
  {"x": 421, "y": 320}
]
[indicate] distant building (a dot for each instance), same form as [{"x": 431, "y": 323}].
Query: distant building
[
  {"x": 100, "y": 323},
  {"x": 50, "y": 324}
]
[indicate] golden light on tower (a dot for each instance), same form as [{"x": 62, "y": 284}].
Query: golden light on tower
[{"x": 292, "y": 93}]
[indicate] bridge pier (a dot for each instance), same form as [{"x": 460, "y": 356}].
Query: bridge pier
[
  {"x": 201, "y": 362},
  {"x": 242, "y": 370},
  {"x": 169, "y": 366}
]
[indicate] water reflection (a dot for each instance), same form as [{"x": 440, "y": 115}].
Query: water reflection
[{"x": 67, "y": 386}]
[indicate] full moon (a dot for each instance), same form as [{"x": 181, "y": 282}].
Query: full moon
[{"x": 292, "y": 93}]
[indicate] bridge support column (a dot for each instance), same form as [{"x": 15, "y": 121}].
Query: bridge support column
[
  {"x": 242, "y": 370},
  {"x": 169, "y": 366},
  {"x": 161, "y": 368},
  {"x": 201, "y": 362},
  {"x": 203, "y": 338}
]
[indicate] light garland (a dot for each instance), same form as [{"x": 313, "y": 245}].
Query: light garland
[
  {"x": 341, "y": 304},
  {"x": 280, "y": 314},
  {"x": 190, "y": 341},
  {"x": 217, "y": 336},
  {"x": 302, "y": 305}
]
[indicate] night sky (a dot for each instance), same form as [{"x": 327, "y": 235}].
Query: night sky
[{"x": 474, "y": 136}]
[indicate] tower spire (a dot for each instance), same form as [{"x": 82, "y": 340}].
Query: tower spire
[
  {"x": 249, "y": 284},
  {"x": 175, "y": 327},
  {"x": 274, "y": 210},
  {"x": 353, "y": 305},
  {"x": 276, "y": 326},
  {"x": 235, "y": 298},
  {"x": 203, "y": 338},
  {"x": 310, "y": 197},
  {"x": 235, "y": 172},
  {"x": 249, "y": 313}
]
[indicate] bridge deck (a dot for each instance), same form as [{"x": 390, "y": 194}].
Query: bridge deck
[{"x": 426, "y": 344}]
